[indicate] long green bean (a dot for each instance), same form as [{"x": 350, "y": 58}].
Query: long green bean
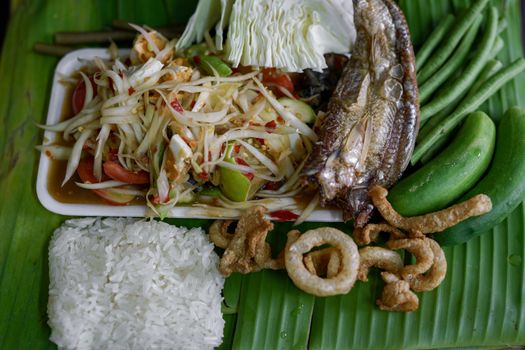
[
  {"x": 51, "y": 49},
  {"x": 455, "y": 61},
  {"x": 496, "y": 48},
  {"x": 433, "y": 40},
  {"x": 498, "y": 45},
  {"x": 502, "y": 25},
  {"x": 74, "y": 38},
  {"x": 491, "y": 67},
  {"x": 469, "y": 105},
  {"x": 456, "y": 33},
  {"x": 435, "y": 149},
  {"x": 470, "y": 73},
  {"x": 172, "y": 31},
  {"x": 450, "y": 108}
]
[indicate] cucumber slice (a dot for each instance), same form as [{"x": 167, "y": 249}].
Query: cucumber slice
[{"x": 298, "y": 108}]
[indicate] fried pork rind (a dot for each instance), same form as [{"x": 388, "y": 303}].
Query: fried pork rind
[
  {"x": 432, "y": 222},
  {"x": 382, "y": 258},
  {"x": 291, "y": 237},
  {"x": 219, "y": 234},
  {"x": 370, "y": 233},
  {"x": 397, "y": 295},
  {"x": 435, "y": 275},
  {"x": 246, "y": 250},
  {"x": 264, "y": 259},
  {"x": 248, "y": 241},
  {"x": 420, "y": 248},
  {"x": 323, "y": 262},
  {"x": 342, "y": 282},
  {"x": 334, "y": 270}
]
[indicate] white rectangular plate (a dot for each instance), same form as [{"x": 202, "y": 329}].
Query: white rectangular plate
[{"x": 67, "y": 66}]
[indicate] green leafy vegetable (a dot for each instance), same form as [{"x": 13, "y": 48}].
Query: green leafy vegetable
[{"x": 291, "y": 35}]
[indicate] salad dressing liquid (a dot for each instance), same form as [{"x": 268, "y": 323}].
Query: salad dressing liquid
[{"x": 70, "y": 192}]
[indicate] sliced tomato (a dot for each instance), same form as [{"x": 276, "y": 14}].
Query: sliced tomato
[
  {"x": 155, "y": 199},
  {"x": 283, "y": 215},
  {"x": 237, "y": 148},
  {"x": 175, "y": 104},
  {"x": 271, "y": 124},
  {"x": 79, "y": 95},
  {"x": 273, "y": 77},
  {"x": 203, "y": 176},
  {"x": 273, "y": 185},
  {"x": 115, "y": 171},
  {"x": 241, "y": 161},
  {"x": 85, "y": 172}
]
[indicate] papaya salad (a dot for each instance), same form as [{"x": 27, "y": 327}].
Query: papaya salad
[{"x": 182, "y": 127}]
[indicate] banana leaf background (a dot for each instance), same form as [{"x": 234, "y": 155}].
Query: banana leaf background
[{"x": 480, "y": 303}]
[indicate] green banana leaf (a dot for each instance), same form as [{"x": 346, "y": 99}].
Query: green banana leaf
[{"x": 479, "y": 304}]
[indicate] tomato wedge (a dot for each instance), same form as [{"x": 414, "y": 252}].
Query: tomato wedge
[
  {"x": 85, "y": 172},
  {"x": 241, "y": 161},
  {"x": 283, "y": 215},
  {"x": 273, "y": 77},
  {"x": 115, "y": 171},
  {"x": 79, "y": 95}
]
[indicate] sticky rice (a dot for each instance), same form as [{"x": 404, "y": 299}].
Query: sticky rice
[{"x": 125, "y": 284}]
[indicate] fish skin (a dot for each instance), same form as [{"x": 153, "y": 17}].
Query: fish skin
[{"x": 369, "y": 131}]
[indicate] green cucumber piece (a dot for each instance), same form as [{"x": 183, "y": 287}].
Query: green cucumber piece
[
  {"x": 503, "y": 183},
  {"x": 300, "y": 109},
  {"x": 450, "y": 174},
  {"x": 212, "y": 64}
]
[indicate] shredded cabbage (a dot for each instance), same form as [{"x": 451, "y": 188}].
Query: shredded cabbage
[{"x": 292, "y": 35}]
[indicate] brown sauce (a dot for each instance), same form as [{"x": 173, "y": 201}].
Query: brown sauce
[{"x": 70, "y": 192}]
